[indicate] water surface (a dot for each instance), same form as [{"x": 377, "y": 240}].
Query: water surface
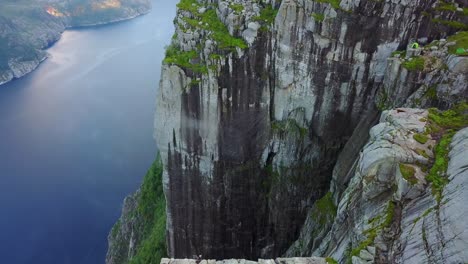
[{"x": 76, "y": 138}]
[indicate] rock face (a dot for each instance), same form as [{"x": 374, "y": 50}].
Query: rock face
[
  {"x": 389, "y": 216},
  {"x": 433, "y": 233},
  {"x": 259, "y": 101},
  {"x": 29, "y": 27},
  {"x": 124, "y": 236}
]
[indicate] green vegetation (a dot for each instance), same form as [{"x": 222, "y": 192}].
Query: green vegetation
[
  {"x": 402, "y": 53},
  {"x": 455, "y": 118},
  {"x": 152, "y": 212},
  {"x": 422, "y": 152},
  {"x": 442, "y": 6},
  {"x": 452, "y": 24},
  {"x": 461, "y": 42},
  {"x": 444, "y": 124},
  {"x": 331, "y": 260},
  {"x": 426, "y": 213},
  {"x": 334, "y": 3},
  {"x": 115, "y": 229},
  {"x": 415, "y": 64},
  {"x": 408, "y": 173},
  {"x": 324, "y": 209},
  {"x": 288, "y": 125},
  {"x": 26, "y": 27},
  {"x": 210, "y": 22},
  {"x": 437, "y": 174},
  {"x": 184, "y": 59},
  {"x": 431, "y": 92},
  {"x": 318, "y": 17},
  {"x": 372, "y": 232},
  {"x": 421, "y": 138},
  {"x": 267, "y": 15},
  {"x": 207, "y": 21},
  {"x": 238, "y": 8}
]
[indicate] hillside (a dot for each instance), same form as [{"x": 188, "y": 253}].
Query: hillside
[{"x": 27, "y": 27}]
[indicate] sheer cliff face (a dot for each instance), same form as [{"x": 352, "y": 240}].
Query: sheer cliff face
[{"x": 249, "y": 128}]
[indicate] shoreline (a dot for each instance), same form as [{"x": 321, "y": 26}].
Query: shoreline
[{"x": 39, "y": 62}]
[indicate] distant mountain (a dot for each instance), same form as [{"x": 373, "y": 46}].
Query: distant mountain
[{"x": 27, "y": 27}]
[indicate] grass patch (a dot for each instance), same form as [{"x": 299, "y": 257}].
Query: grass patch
[
  {"x": 266, "y": 17},
  {"x": 402, "y": 53},
  {"x": 331, "y": 260},
  {"x": 408, "y": 173},
  {"x": 415, "y": 64},
  {"x": 421, "y": 138},
  {"x": 318, "y": 17},
  {"x": 184, "y": 59},
  {"x": 449, "y": 23},
  {"x": 334, "y": 3},
  {"x": 422, "y": 152},
  {"x": 461, "y": 42},
  {"x": 455, "y": 118},
  {"x": 437, "y": 174},
  {"x": 324, "y": 209},
  {"x": 444, "y": 124},
  {"x": 238, "y": 8},
  {"x": 442, "y": 6}
]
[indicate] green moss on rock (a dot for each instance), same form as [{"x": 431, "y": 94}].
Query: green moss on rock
[
  {"x": 421, "y": 138},
  {"x": 444, "y": 124},
  {"x": 415, "y": 64},
  {"x": 408, "y": 173},
  {"x": 318, "y": 17}
]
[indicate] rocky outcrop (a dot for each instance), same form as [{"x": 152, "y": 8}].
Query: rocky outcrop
[
  {"x": 124, "y": 235},
  {"x": 138, "y": 236},
  {"x": 29, "y": 27},
  {"x": 394, "y": 210},
  {"x": 258, "y": 99},
  {"x": 433, "y": 232}
]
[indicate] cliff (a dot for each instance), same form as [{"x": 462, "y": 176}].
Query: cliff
[
  {"x": 28, "y": 27},
  {"x": 264, "y": 108}
]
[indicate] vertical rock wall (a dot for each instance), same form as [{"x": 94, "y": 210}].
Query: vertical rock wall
[{"x": 250, "y": 128}]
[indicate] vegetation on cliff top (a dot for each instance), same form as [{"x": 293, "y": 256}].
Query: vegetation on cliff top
[
  {"x": 209, "y": 21},
  {"x": 206, "y": 20}
]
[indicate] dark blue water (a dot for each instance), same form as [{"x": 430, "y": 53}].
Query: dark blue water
[{"x": 76, "y": 138}]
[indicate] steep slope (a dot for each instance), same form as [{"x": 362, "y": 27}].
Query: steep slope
[
  {"x": 28, "y": 27},
  {"x": 404, "y": 203},
  {"x": 264, "y": 107},
  {"x": 251, "y": 116}
]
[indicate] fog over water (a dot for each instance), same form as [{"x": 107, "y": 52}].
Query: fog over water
[{"x": 76, "y": 137}]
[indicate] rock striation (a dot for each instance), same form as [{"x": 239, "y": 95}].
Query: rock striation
[
  {"x": 250, "y": 124},
  {"x": 267, "y": 123}
]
